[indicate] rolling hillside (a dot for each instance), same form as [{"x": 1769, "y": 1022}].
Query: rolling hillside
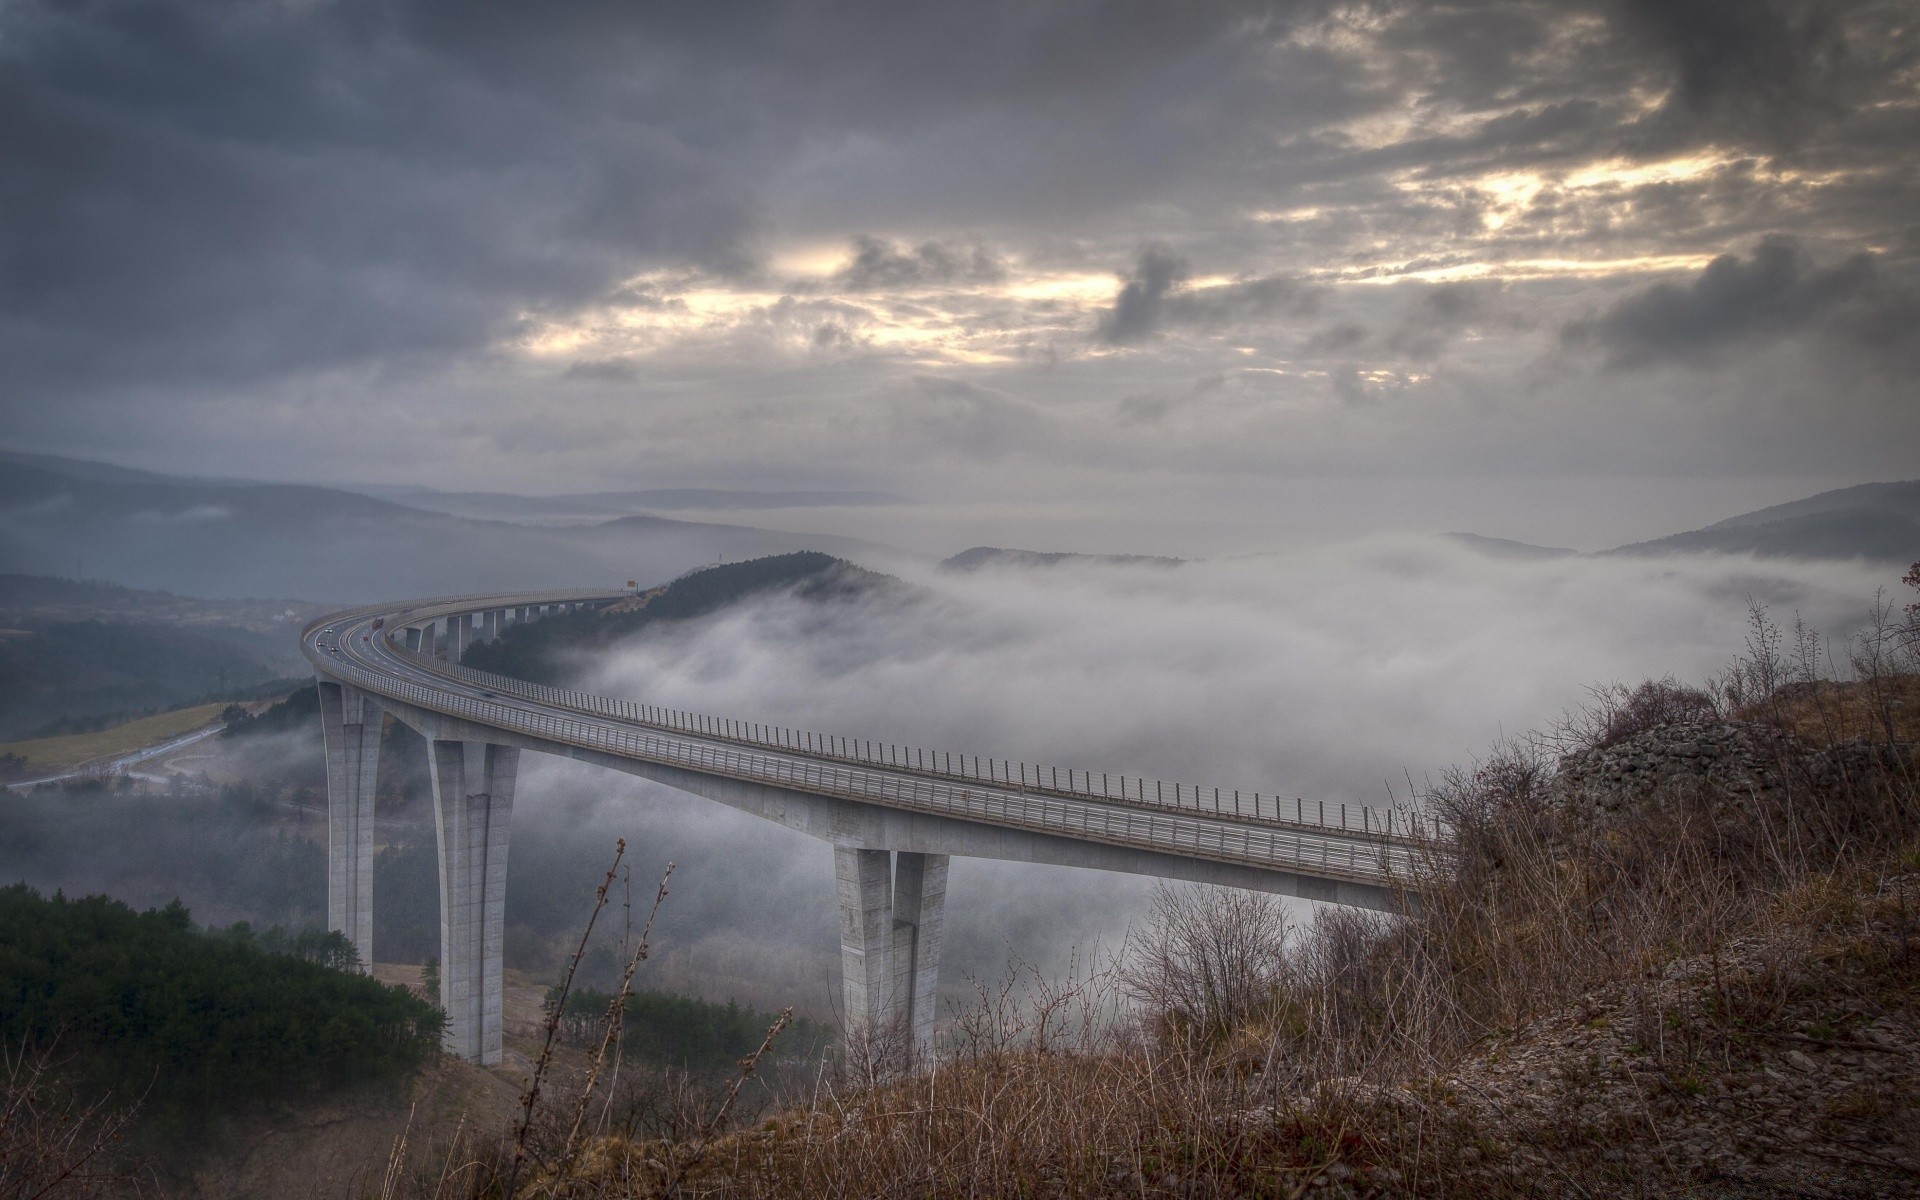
[
  {"x": 241, "y": 539},
  {"x": 1879, "y": 521}
]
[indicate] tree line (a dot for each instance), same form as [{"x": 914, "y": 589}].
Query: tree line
[{"x": 146, "y": 1007}]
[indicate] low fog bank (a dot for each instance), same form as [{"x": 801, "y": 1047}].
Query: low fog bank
[
  {"x": 1333, "y": 674},
  {"x": 1329, "y": 674}
]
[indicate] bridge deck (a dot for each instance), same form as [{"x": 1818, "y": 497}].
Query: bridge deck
[{"x": 1365, "y": 846}]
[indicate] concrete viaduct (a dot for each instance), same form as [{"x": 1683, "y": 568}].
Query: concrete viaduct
[{"x": 893, "y": 814}]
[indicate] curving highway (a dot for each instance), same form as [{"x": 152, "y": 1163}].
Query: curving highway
[{"x": 871, "y": 801}]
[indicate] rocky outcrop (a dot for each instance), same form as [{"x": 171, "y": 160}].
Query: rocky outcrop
[{"x": 1735, "y": 760}]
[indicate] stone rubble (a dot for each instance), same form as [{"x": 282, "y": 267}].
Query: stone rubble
[{"x": 1738, "y": 760}]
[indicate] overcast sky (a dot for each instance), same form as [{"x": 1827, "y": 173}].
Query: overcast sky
[{"x": 1104, "y": 275}]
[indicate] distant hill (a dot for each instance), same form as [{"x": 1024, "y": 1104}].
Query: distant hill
[
  {"x": 1878, "y": 521},
  {"x": 61, "y": 677},
  {"x": 98, "y": 472},
  {"x": 1899, "y": 498},
  {"x": 600, "y": 506},
  {"x": 223, "y": 539},
  {"x": 1875, "y": 521},
  {"x": 78, "y": 654},
  {"x": 995, "y": 556},
  {"x": 540, "y": 651},
  {"x": 29, "y": 601},
  {"x": 1507, "y": 548}
]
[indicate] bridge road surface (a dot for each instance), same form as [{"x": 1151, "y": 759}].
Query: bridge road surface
[{"x": 872, "y": 812}]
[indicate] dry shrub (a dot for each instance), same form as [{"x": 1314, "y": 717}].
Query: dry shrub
[
  {"x": 1616, "y": 712},
  {"x": 1209, "y": 960},
  {"x": 53, "y": 1142}
]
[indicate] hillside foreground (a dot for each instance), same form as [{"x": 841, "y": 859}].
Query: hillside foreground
[{"x": 1673, "y": 947}]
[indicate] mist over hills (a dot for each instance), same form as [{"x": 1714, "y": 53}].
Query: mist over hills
[
  {"x": 1495, "y": 547},
  {"x": 582, "y": 507},
  {"x": 546, "y": 651},
  {"x": 979, "y": 557},
  {"x": 1876, "y": 521},
  {"x": 231, "y": 539},
  {"x": 1879, "y": 522},
  {"x": 227, "y": 538},
  {"x": 100, "y": 472}
]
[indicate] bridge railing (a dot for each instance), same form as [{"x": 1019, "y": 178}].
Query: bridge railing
[
  {"x": 1376, "y": 863},
  {"x": 1390, "y": 824}
]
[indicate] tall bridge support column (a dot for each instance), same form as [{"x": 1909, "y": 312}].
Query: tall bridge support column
[
  {"x": 890, "y": 920},
  {"x": 350, "y": 723},
  {"x": 459, "y": 636},
  {"x": 919, "y": 903},
  {"x": 472, "y": 812}
]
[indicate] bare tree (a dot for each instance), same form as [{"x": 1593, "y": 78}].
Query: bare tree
[
  {"x": 1209, "y": 959},
  {"x": 53, "y": 1142}
]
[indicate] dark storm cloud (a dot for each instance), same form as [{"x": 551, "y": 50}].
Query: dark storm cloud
[
  {"x": 1154, "y": 295},
  {"x": 881, "y": 264},
  {"x": 1770, "y": 66},
  {"x": 1776, "y": 293},
  {"x": 228, "y": 192},
  {"x": 243, "y": 222},
  {"x": 1137, "y": 311},
  {"x": 1245, "y": 301},
  {"x": 1437, "y": 315}
]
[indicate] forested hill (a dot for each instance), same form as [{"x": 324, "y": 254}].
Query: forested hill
[
  {"x": 143, "y": 1004},
  {"x": 538, "y": 651},
  {"x": 79, "y": 675}
]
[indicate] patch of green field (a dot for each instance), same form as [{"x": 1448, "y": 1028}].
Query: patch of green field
[{"x": 61, "y": 753}]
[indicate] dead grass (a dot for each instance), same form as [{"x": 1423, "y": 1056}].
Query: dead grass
[
  {"x": 1825, "y": 713},
  {"x": 76, "y": 749}
]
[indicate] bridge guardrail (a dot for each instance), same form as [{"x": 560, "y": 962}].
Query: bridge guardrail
[
  {"x": 1389, "y": 825},
  {"x": 1377, "y": 864}
]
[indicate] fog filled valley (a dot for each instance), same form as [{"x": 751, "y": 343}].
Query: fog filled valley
[
  {"x": 1355, "y": 672},
  {"x": 1394, "y": 670}
]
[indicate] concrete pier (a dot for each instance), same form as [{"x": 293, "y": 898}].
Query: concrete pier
[
  {"x": 459, "y": 636},
  {"x": 919, "y": 902},
  {"x": 890, "y": 918},
  {"x": 350, "y": 723},
  {"x": 473, "y": 812}
]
